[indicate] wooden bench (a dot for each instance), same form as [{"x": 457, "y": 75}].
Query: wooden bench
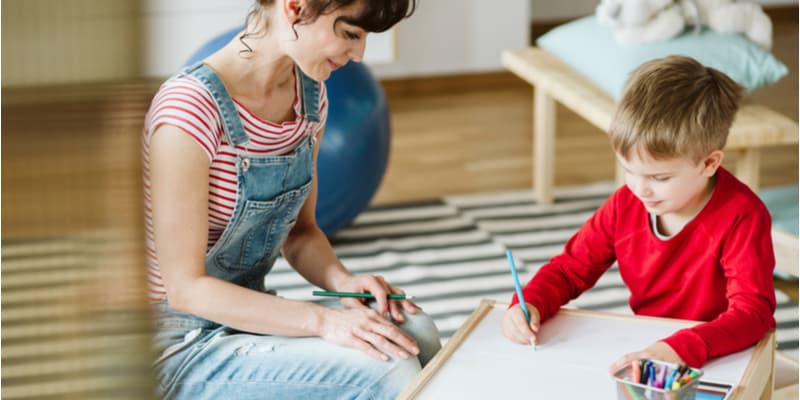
[{"x": 755, "y": 126}]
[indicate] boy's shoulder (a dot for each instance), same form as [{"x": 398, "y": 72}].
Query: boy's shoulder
[
  {"x": 733, "y": 205},
  {"x": 735, "y": 193},
  {"x": 624, "y": 198}
]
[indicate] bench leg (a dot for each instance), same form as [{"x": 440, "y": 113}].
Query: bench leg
[
  {"x": 544, "y": 132},
  {"x": 786, "y": 254},
  {"x": 747, "y": 167}
]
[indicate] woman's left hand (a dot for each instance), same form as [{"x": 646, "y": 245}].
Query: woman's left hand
[
  {"x": 378, "y": 287},
  {"x": 656, "y": 351}
]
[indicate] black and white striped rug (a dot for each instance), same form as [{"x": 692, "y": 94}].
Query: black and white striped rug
[
  {"x": 450, "y": 253},
  {"x": 73, "y": 324}
]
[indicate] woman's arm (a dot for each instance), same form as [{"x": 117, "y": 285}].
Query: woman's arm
[
  {"x": 179, "y": 190},
  {"x": 310, "y": 253},
  {"x": 307, "y": 249}
]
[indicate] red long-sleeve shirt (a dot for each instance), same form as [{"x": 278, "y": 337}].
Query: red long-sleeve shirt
[{"x": 718, "y": 269}]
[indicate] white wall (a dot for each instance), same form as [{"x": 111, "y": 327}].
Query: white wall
[
  {"x": 442, "y": 37},
  {"x": 550, "y": 10},
  {"x": 175, "y": 29},
  {"x": 458, "y": 36}
]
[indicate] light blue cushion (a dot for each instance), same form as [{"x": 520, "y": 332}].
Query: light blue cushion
[
  {"x": 590, "y": 49},
  {"x": 782, "y": 204}
]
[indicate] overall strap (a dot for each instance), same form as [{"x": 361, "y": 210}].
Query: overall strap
[
  {"x": 231, "y": 124},
  {"x": 309, "y": 96}
]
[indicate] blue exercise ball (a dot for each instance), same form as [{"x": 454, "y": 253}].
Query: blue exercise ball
[{"x": 355, "y": 149}]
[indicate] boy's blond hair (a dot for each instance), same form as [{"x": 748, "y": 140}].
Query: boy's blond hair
[{"x": 674, "y": 107}]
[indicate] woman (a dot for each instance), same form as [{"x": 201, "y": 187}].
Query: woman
[{"x": 229, "y": 147}]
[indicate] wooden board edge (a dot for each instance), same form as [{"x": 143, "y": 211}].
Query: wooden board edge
[
  {"x": 424, "y": 376},
  {"x": 764, "y": 352}
]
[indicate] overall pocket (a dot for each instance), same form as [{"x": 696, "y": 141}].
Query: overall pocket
[
  {"x": 251, "y": 238},
  {"x": 257, "y": 235}
]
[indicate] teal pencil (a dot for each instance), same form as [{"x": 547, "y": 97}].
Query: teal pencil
[
  {"x": 517, "y": 286},
  {"x": 518, "y": 289},
  {"x": 359, "y": 295}
]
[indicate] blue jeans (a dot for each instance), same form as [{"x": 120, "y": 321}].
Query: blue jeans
[{"x": 200, "y": 359}]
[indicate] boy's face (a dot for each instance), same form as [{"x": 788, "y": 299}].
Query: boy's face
[{"x": 670, "y": 187}]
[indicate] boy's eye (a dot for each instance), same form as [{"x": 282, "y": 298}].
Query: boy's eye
[{"x": 661, "y": 178}]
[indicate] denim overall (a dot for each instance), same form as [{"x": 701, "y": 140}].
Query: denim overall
[{"x": 200, "y": 359}]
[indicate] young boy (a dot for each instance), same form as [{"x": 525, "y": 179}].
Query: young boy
[{"x": 692, "y": 241}]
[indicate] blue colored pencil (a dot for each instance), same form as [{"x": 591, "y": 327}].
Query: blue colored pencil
[{"x": 517, "y": 286}]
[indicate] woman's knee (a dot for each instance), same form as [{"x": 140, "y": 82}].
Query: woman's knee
[
  {"x": 400, "y": 375},
  {"x": 422, "y": 328}
]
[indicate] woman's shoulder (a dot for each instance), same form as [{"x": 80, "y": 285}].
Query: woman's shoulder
[
  {"x": 183, "y": 85},
  {"x": 183, "y": 95},
  {"x": 183, "y": 102}
]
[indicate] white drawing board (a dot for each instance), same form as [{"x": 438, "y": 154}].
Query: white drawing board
[{"x": 571, "y": 362}]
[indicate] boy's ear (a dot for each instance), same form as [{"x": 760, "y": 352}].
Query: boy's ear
[{"x": 712, "y": 162}]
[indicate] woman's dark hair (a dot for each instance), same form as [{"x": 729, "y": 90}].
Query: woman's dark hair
[{"x": 377, "y": 15}]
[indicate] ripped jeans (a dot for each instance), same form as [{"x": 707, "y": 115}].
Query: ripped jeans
[{"x": 199, "y": 359}]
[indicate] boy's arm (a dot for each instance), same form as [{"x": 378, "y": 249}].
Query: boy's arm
[
  {"x": 748, "y": 261},
  {"x": 588, "y": 254}
]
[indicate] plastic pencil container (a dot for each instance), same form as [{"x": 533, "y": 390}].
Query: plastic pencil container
[{"x": 627, "y": 389}]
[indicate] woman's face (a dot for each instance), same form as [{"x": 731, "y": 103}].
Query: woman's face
[{"x": 325, "y": 44}]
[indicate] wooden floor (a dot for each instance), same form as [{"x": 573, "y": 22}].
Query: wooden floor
[{"x": 70, "y": 155}]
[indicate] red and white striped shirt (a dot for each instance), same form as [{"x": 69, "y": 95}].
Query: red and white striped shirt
[{"x": 185, "y": 103}]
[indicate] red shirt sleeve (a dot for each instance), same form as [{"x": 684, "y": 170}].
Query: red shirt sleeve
[
  {"x": 748, "y": 261},
  {"x": 587, "y": 254}
]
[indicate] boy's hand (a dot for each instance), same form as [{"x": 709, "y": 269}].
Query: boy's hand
[
  {"x": 656, "y": 351},
  {"x": 515, "y": 328}
]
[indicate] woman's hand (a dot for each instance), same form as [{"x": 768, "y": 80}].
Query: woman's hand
[
  {"x": 364, "y": 329},
  {"x": 378, "y": 287},
  {"x": 656, "y": 351},
  {"x": 517, "y": 329}
]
